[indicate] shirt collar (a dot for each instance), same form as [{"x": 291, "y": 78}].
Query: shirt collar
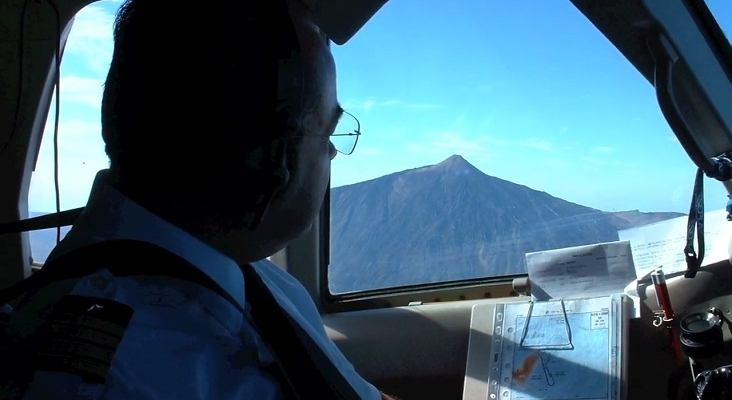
[{"x": 110, "y": 215}]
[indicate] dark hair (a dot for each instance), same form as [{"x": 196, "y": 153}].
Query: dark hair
[{"x": 189, "y": 80}]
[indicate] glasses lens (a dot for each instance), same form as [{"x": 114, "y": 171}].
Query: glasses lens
[{"x": 346, "y": 134}]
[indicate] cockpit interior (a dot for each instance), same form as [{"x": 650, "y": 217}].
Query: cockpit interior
[{"x": 569, "y": 160}]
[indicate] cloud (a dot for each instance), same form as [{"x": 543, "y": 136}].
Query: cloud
[
  {"x": 422, "y": 106},
  {"x": 539, "y": 144},
  {"x": 369, "y": 151},
  {"x": 81, "y": 156},
  {"x": 544, "y": 145},
  {"x": 78, "y": 136},
  {"x": 556, "y": 163},
  {"x": 369, "y": 104},
  {"x": 485, "y": 88},
  {"x": 592, "y": 161},
  {"x": 459, "y": 122},
  {"x": 453, "y": 143},
  {"x": 81, "y": 90},
  {"x": 90, "y": 38},
  {"x": 598, "y": 161},
  {"x": 603, "y": 149}
]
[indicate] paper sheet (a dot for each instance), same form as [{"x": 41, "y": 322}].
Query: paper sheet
[
  {"x": 582, "y": 271},
  {"x": 662, "y": 243}
]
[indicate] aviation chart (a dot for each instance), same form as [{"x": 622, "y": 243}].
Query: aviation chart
[{"x": 556, "y": 350}]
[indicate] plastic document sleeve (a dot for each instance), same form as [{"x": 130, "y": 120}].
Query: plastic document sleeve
[{"x": 552, "y": 350}]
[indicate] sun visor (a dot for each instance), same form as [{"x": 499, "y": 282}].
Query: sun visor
[{"x": 341, "y": 19}]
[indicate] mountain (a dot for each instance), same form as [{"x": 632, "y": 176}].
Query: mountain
[{"x": 451, "y": 221}]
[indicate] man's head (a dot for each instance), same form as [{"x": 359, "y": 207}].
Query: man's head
[{"x": 218, "y": 119}]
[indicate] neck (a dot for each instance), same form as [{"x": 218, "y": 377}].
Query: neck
[
  {"x": 222, "y": 226},
  {"x": 164, "y": 203}
]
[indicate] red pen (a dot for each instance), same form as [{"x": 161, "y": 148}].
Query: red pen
[{"x": 664, "y": 301}]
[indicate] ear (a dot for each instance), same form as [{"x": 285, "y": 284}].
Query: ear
[
  {"x": 274, "y": 181},
  {"x": 280, "y": 167}
]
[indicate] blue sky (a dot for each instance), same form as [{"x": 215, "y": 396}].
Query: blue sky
[{"x": 528, "y": 91}]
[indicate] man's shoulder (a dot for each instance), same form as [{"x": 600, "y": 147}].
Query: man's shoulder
[
  {"x": 96, "y": 269},
  {"x": 273, "y": 272},
  {"x": 125, "y": 258},
  {"x": 296, "y": 300},
  {"x": 114, "y": 249},
  {"x": 282, "y": 283},
  {"x": 291, "y": 296}
]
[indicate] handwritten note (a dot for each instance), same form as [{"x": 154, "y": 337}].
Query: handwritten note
[
  {"x": 662, "y": 243},
  {"x": 582, "y": 271}
]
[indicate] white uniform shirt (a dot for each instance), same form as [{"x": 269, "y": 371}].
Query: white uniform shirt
[{"x": 183, "y": 341}]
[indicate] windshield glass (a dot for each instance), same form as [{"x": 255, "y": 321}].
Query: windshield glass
[
  {"x": 489, "y": 130},
  {"x": 80, "y": 147},
  {"x": 722, "y": 11}
]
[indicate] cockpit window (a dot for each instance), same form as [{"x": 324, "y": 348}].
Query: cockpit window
[
  {"x": 493, "y": 129},
  {"x": 81, "y": 149},
  {"x": 489, "y": 130}
]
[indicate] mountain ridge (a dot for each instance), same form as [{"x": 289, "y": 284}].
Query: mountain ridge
[
  {"x": 466, "y": 224},
  {"x": 442, "y": 222}
]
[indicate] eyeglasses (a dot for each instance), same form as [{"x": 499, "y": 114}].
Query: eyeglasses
[{"x": 346, "y": 134}]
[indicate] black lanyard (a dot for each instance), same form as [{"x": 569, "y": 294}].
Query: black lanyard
[{"x": 695, "y": 222}]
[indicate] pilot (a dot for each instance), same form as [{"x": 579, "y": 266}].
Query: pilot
[
  {"x": 729, "y": 207},
  {"x": 211, "y": 164}
]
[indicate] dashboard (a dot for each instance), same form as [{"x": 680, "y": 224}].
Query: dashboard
[{"x": 429, "y": 351}]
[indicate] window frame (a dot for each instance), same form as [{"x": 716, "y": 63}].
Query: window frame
[
  {"x": 692, "y": 37},
  {"x": 715, "y": 35}
]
